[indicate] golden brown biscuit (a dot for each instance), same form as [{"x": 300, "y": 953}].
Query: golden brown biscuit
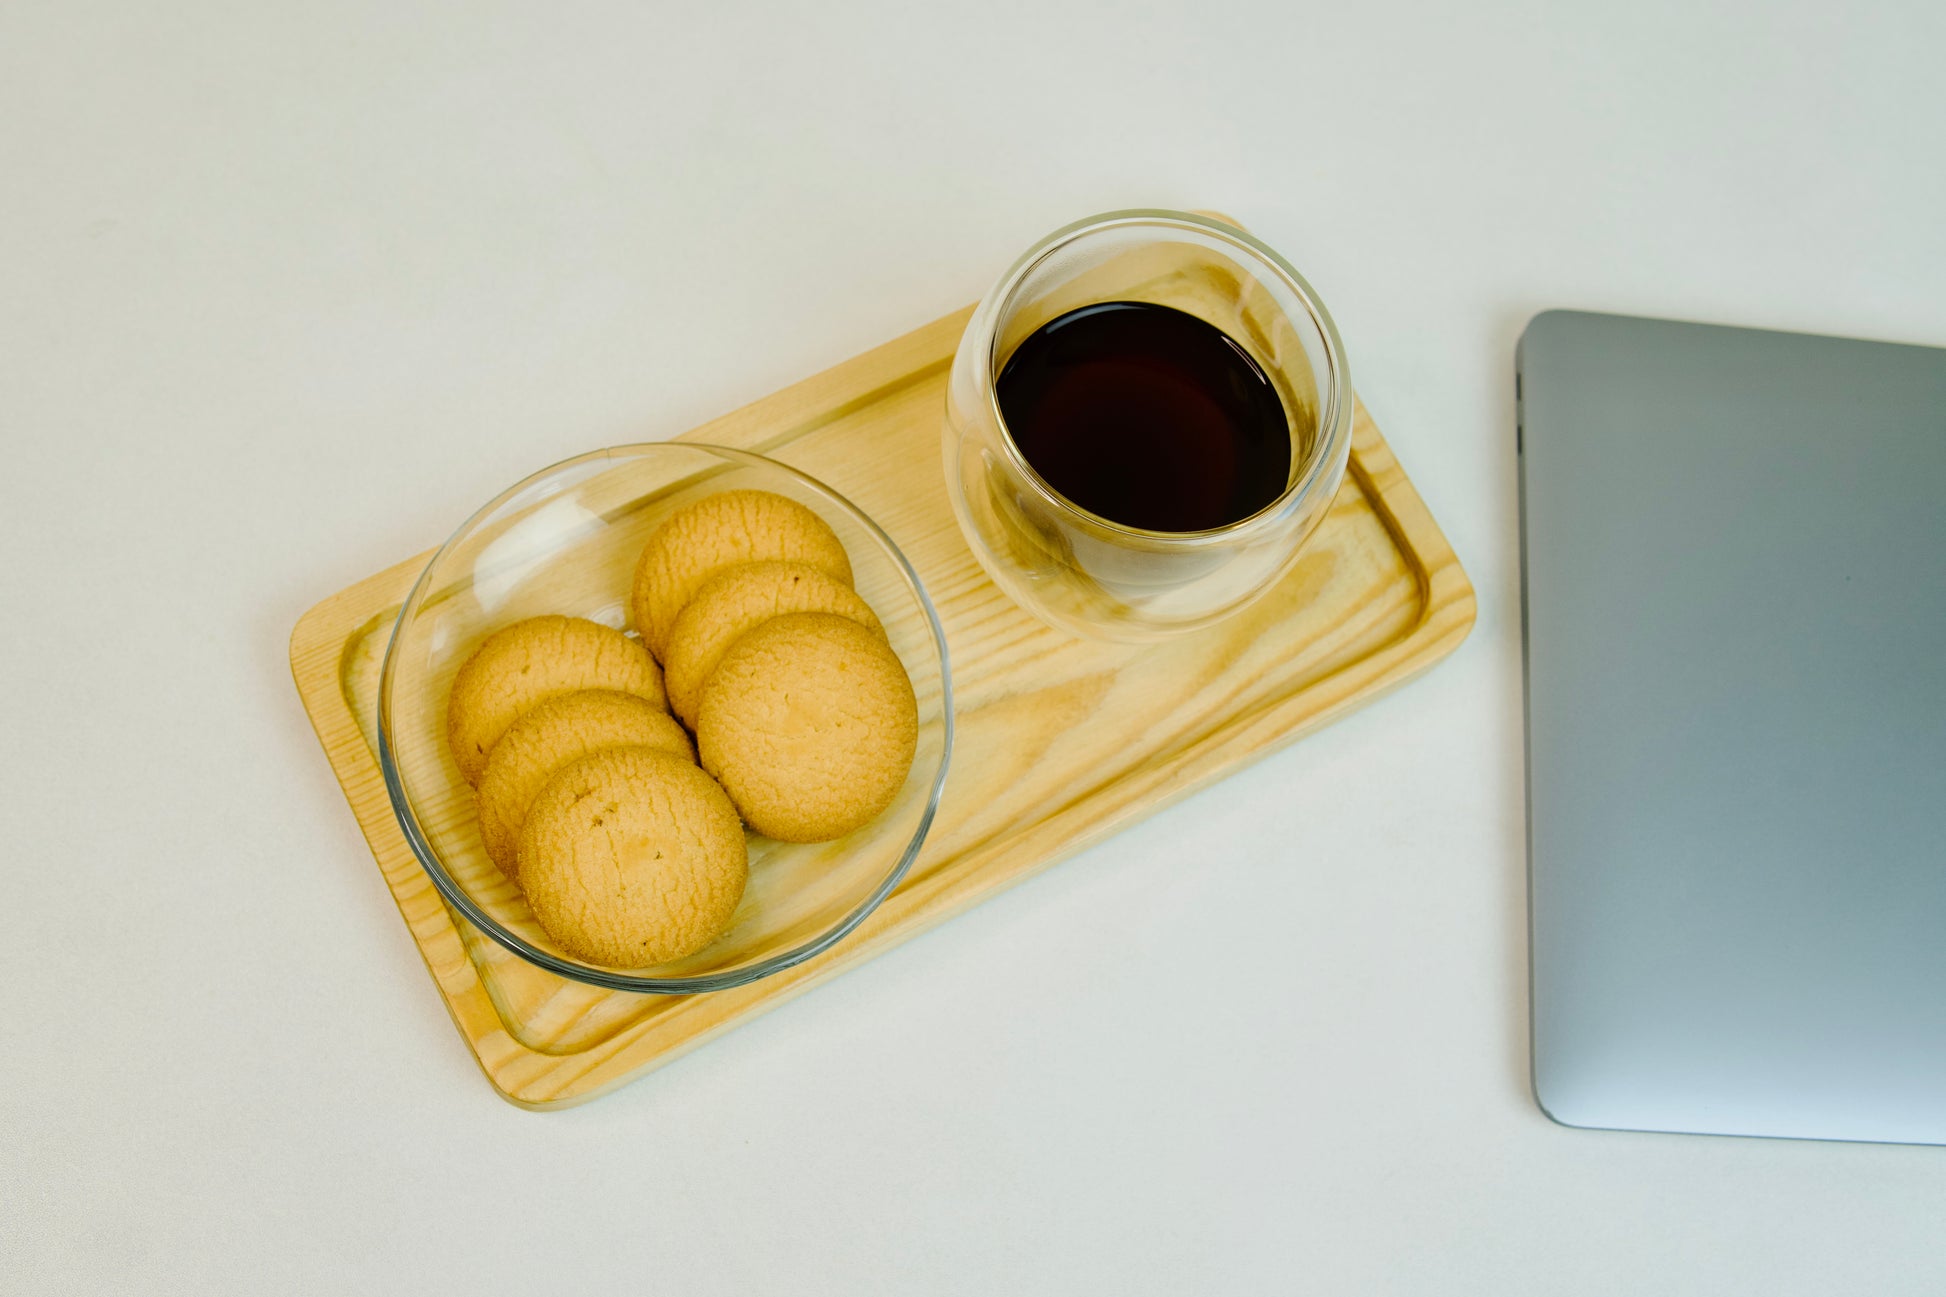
[
  {"x": 528, "y": 663},
  {"x": 811, "y": 724},
  {"x": 632, "y": 856},
  {"x": 551, "y": 735},
  {"x": 720, "y": 531},
  {"x": 740, "y": 599}
]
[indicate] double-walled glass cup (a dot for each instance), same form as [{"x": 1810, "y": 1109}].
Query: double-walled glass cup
[{"x": 1091, "y": 575}]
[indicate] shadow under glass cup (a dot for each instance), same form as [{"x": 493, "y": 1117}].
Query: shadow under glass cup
[{"x": 1091, "y": 575}]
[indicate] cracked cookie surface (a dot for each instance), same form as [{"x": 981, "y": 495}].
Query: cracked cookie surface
[
  {"x": 736, "y": 601},
  {"x": 522, "y": 665},
  {"x": 632, "y": 856},
  {"x": 811, "y": 724},
  {"x": 558, "y": 731},
  {"x": 720, "y": 531}
]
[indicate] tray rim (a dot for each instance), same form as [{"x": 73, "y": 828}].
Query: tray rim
[{"x": 540, "y": 1080}]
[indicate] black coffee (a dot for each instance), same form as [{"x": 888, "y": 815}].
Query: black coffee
[{"x": 1148, "y": 417}]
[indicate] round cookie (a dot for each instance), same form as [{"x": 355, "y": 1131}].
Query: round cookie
[
  {"x": 811, "y": 725},
  {"x": 631, "y": 856},
  {"x": 716, "y": 532},
  {"x": 740, "y": 599},
  {"x": 560, "y": 730},
  {"x": 528, "y": 663}
]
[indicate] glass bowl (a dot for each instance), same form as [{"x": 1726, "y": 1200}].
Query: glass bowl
[{"x": 565, "y": 541}]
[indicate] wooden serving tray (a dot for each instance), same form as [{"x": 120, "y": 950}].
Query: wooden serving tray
[{"x": 1061, "y": 742}]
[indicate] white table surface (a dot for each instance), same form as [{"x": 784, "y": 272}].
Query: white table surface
[{"x": 283, "y": 296}]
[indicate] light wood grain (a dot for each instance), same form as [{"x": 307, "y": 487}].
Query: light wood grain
[{"x": 1061, "y": 742}]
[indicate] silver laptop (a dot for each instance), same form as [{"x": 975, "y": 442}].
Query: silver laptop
[{"x": 1733, "y": 556}]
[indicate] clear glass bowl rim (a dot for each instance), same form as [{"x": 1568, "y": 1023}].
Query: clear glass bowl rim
[
  {"x": 1334, "y": 420},
  {"x": 591, "y": 974}
]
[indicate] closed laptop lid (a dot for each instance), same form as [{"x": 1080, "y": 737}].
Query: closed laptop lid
[{"x": 1734, "y": 588}]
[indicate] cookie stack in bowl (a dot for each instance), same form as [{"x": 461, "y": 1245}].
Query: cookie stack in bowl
[{"x": 590, "y": 793}]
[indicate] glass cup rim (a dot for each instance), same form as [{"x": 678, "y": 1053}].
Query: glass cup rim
[
  {"x": 594, "y": 974},
  {"x": 1334, "y": 423}
]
